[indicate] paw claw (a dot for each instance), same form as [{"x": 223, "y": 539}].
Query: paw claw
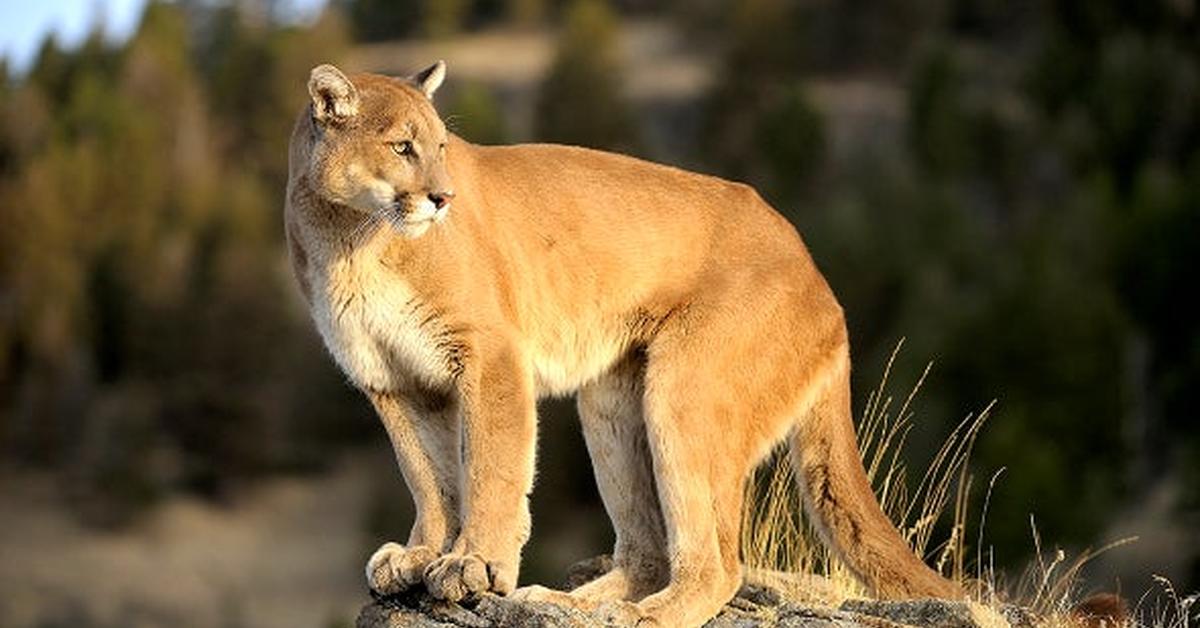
[
  {"x": 454, "y": 577},
  {"x": 394, "y": 568},
  {"x": 503, "y": 578}
]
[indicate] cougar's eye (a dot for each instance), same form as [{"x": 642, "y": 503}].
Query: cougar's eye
[{"x": 404, "y": 148}]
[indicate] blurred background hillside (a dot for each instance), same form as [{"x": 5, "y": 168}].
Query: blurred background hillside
[{"x": 1013, "y": 187}]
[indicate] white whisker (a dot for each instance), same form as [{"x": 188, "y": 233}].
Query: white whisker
[{"x": 366, "y": 227}]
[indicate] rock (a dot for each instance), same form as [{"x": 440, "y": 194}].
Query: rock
[
  {"x": 925, "y": 613},
  {"x": 585, "y": 571},
  {"x": 756, "y": 604},
  {"x": 942, "y": 613}
]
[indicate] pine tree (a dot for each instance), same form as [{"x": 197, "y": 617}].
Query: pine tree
[
  {"x": 475, "y": 115},
  {"x": 580, "y": 100}
]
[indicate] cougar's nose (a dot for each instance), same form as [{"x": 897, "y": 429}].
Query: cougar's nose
[{"x": 440, "y": 199}]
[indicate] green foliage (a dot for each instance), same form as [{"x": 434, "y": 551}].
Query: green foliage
[
  {"x": 937, "y": 122},
  {"x": 445, "y": 17},
  {"x": 580, "y": 99},
  {"x": 964, "y": 125},
  {"x": 1054, "y": 332},
  {"x": 759, "y": 123},
  {"x": 374, "y": 20},
  {"x": 526, "y": 12},
  {"x": 474, "y": 114},
  {"x": 1033, "y": 229},
  {"x": 791, "y": 138},
  {"x": 150, "y": 339},
  {"x": 380, "y": 20},
  {"x": 51, "y": 71},
  {"x": 1116, "y": 84},
  {"x": 1030, "y": 236}
]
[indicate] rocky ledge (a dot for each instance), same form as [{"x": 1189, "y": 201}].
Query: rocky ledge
[{"x": 774, "y": 600}]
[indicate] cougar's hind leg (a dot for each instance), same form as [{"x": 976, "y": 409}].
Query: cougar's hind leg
[
  {"x": 724, "y": 382},
  {"x": 699, "y": 479},
  {"x": 705, "y": 430},
  {"x": 610, "y": 410}
]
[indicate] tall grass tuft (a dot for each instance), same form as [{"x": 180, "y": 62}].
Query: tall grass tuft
[
  {"x": 1171, "y": 609},
  {"x": 776, "y": 539},
  {"x": 774, "y": 536}
]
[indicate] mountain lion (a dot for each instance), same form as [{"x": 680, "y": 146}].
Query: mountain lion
[{"x": 456, "y": 284}]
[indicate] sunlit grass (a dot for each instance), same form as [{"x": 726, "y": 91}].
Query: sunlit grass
[
  {"x": 776, "y": 539},
  {"x": 774, "y": 536},
  {"x": 1170, "y": 609}
]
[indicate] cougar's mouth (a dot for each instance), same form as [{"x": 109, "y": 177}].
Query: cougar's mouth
[
  {"x": 413, "y": 219},
  {"x": 420, "y": 212}
]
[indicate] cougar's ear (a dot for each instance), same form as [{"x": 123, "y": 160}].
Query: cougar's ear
[
  {"x": 429, "y": 79},
  {"x": 334, "y": 98}
]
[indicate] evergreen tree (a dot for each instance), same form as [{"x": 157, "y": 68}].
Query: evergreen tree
[
  {"x": 140, "y": 305},
  {"x": 580, "y": 101},
  {"x": 443, "y": 18},
  {"x": 377, "y": 20},
  {"x": 526, "y": 12},
  {"x": 759, "y": 122},
  {"x": 475, "y": 115}
]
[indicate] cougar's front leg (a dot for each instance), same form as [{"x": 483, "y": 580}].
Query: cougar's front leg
[
  {"x": 499, "y": 437},
  {"x": 425, "y": 437}
]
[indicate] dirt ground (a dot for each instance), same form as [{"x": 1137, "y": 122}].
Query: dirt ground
[{"x": 295, "y": 543}]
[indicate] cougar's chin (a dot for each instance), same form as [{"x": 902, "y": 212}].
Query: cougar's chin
[{"x": 417, "y": 218}]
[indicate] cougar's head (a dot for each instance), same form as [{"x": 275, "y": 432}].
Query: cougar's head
[{"x": 379, "y": 147}]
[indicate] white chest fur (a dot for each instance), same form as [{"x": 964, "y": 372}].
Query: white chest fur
[
  {"x": 377, "y": 329},
  {"x": 570, "y": 355}
]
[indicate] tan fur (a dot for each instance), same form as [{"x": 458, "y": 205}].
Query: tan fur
[{"x": 684, "y": 309}]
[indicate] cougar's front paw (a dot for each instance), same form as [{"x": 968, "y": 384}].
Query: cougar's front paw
[
  {"x": 454, "y": 577},
  {"x": 394, "y": 568}
]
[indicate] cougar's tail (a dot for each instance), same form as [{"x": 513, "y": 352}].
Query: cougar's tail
[{"x": 838, "y": 499}]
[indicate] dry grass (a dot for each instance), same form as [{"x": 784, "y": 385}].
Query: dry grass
[
  {"x": 1169, "y": 609},
  {"x": 775, "y": 537}
]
